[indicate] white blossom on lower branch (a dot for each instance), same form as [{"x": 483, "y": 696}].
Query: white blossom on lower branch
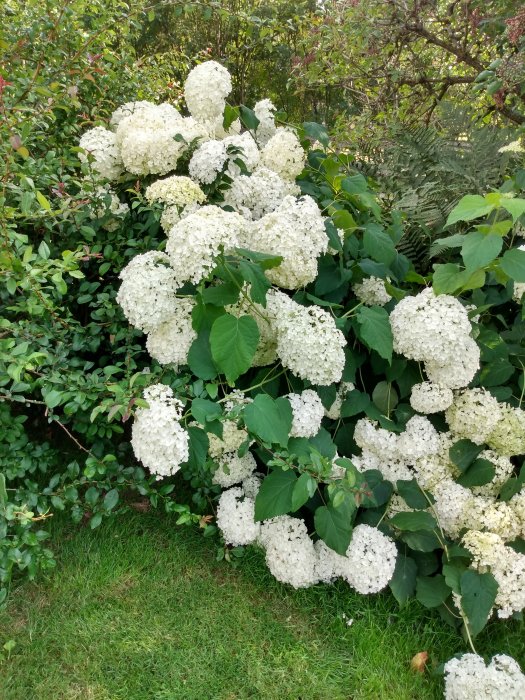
[{"x": 468, "y": 678}]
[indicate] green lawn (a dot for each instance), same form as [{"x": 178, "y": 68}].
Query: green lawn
[{"x": 140, "y": 610}]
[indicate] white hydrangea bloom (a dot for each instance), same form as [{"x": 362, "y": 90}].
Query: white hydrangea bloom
[
  {"x": 432, "y": 469},
  {"x": 295, "y": 231},
  {"x": 517, "y": 503},
  {"x": 451, "y": 506},
  {"x": 308, "y": 413},
  {"x": 369, "y": 436},
  {"x": 249, "y": 152},
  {"x": 173, "y": 214},
  {"x": 175, "y": 190},
  {"x": 370, "y": 560},
  {"x": 290, "y": 553},
  {"x": 147, "y": 139},
  {"x": 371, "y": 291},
  {"x": 206, "y": 89},
  {"x": 232, "y": 469},
  {"x": 493, "y": 516},
  {"x": 474, "y": 414},
  {"x": 518, "y": 290},
  {"x": 508, "y": 436},
  {"x": 252, "y": 484},
  {"x": 195, "y": 241},
  {"x": 429, "y": 328},
  {"x": 171, "y": 341},
  {"x": 126, "y": 110},
  {"x": 284, "y": 154},
  {"x": 334, "y": 412},
  {"x": 459, "y": 372},
  {"x": 327, "y": 565},
  {"x": 236, "y": 518},
  {"x": 100, "y": 143},
  {"x": 148, "y": 291},
  {"x": 232, "y": 439},
  {"x": 157, "y": 438},
  {"x": 258, "y": 194},
  {"x": 430, "y": 398},
  {"x": 207, "y": 161},
  {"x": 264, "y": 111},
  {"x": 490, "y": 553},
  {"x": 419, "y": 439},
  {"x": 468, "y": 678},
  {"x": 308, "y": 341}
]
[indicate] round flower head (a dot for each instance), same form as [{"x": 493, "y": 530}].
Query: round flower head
[
  {"x": 474, "y": 414},
  {"x": 430, "y": 398},
  {"x": 236, "y": 518},
  {"x": 207, "y": 161},
  {"x": 308, "y": 341},
  {"x": 371, "y": 291},
  {"x": 241, "y": 147},
  {"x": 233, "y": 469},
  {"x": 258, "y": 194},
  {"x": 308, "y": 413},
  {"x": 126, "y": 110},
  {"x": 468, "y": 678},
  {"x": 419, "y": 439},
  {"x": 206, "y": 89},
  {"x": 264, "y": 111},
  {"x": 284, "y": 154},
  {"x": 508, "y": 436},
  {"x": 296, "y": 232},
  {"x": 170, "y": 342},
  {"x": 175, "y": 190},
  {"x": 290, "y": 553},
  {"x": 195, "y": 241},
  {"x": 100, "y": 144},
  {"x": 148, "y": 291},
  {"x": 157, "y": 438},
  {"x": 459, "y": 372}
]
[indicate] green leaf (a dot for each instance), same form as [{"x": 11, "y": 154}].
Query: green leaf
[
  {"x": 53, "y": 398},
  {"x": 205, "y": 411},
  {"x": 385, "y": 397},
  {"x": 231, "y": 114},
  {"x": 333, "y": 236},
  {"x": 304, "y": 489},
  {"x": 259, "y": 283},
  {"x": 343, "y": 219},
  {"x": 316, "y": 132},
  {"x": 403, "y": 582},
  {"x": 264, "y": 260},
  {"x": 479, "y": 250},
  {"x": 269, "y": 419},
  {"x": 472, "y": 206},
  {"x": 3, "y": 492},
  {"x": 233, "y": 344},
  {"x": 43, "y": 201},
  {"x": 111, "y": 499},
  {"x": 198, "y": 447},
  {"x": 221, "y": 295},
  {"x": 513, "y": 264},
  {"x": 411, "y": 493},
  {"x": 378, "y": 244},
  {"x": 356, "y": 402},
  {"x": 334, "y": 525},
  {"x": 248, "y": 118},
  {"x": 448, "y": 278},
  {"x": 463, "y": 453},
  {"x": 91, "y": 495},
  {"x": 275, "y": 495},
  {"x": 478, "y": 593},
  {"x": 43, "y": 250},
  {"x": 421, "y": 541},
  {"x": 479, "y": 473},
  {"x": 375, "y": 331},
  {"x": 431, "y": 591},
  {"x": 95, "y": 521},
  {"x": 200, "y": 360},
  {"x": 413, "y": 521},
  {"x": 515, "y": 207}
]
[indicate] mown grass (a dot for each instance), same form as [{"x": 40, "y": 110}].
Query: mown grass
[{"x": 140, "y": 610}]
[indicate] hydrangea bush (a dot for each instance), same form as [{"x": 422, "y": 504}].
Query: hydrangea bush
[{"x": 328, "y": 403}]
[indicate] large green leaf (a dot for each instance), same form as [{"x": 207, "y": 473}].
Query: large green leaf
[
  {"x": 200, "y": 360},
  {"x": 447, "y": 278},
  {"x": 334, "y": 525},
  {"x": 472, "y": 206},
  {"x": 403, "y": 582},
  {"x": 513, "y": 264},
  {"x": 275, "y": 495},
  {"x": 479, "y": 250},
  {"x": 304, "y": 489},
  {"x": 198, "y": 447},
  {"x": 479, "y": 473},
  {"x": 478, "y": 593},
  {"x": 515, "y": 207},
  {"x": 413, "y": 494},
  {"x": 269, "y": 419},
  {"x": 463, "y": 453},
  {"x": 413, "y": 521},
  {"x": 432, "y": 590},
  {"x": 205, "y": 411},
  {"x": 378, "y": 244},
  {"x": 233, "y": 344},
  {"x": 375, "y": 331}
]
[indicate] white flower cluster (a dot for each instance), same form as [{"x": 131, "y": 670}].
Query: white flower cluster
[
  {"x": 284, "y": 154},
  {"x": 148, "y": 291},
  {"x": 175, "y": 190},
  {"x": 308, "y": 413},
  {"x": 436, "y": 330},
  {"x": 264, "y": 111},
  {"x": 371, "y": 291},
  {"x": 290, "y": 553},
  {"x": 205, "y": 92},
  {"x": 430, "y": 398},
  {"x": 468, "y": 678},
  {"x": 100, "y": 144},
  {"x": 170, "y": 342},
  {"x": 474, "y": 414},
  {"x": 158, "y": 439},
  {"x": 195, "y": 241},
  {"x": 308, "y": 341},
  {"x": 236, "y": 517},
  {"x": 258, "y": 194}
]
